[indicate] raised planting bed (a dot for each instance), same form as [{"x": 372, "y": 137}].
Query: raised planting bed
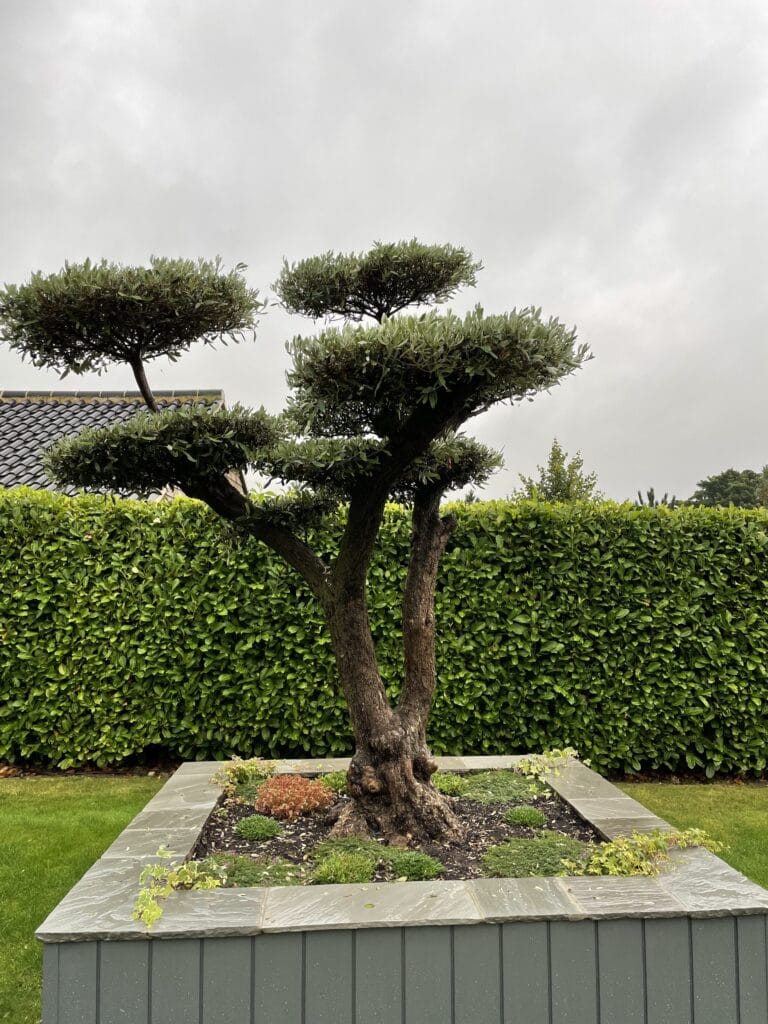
[{"x": 685, "y": 947}]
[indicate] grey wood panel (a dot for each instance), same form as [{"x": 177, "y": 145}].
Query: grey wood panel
[
  {"x": 477, "y": 974},
  {"x": 428, "y": 975},
  {"x": 753, "y": 969},
  {"x": 378, "y": 976},
  {"x": 668, "y": 971},
  {"x": 227, "y": 983},
  {"x": 124, "y": 982},
  {"x": 175, "y": 981},
  {"x": 51, "y": 983},
  {"x": 573, "y": 951},
  {"x": 715, "y": 991},
  {"x": 329, "y": 977},
  {"x": 525, "y": 967},
  {"x": 77, "y": 982},
  {"x": 278, "y": 978},
  {"x": 621, "y": 975}
]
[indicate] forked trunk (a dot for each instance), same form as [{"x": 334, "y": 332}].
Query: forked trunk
[{"x": 390, "y": 775}]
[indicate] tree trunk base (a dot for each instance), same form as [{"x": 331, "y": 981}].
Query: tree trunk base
[{"x": 395, "y": 800}]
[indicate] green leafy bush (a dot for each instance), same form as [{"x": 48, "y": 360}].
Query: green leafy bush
[
  {"x": 639, "y": 636},
  {"x": 523, "y": 858},
  {"x": 257, "y": 827},
  {"x": 531, "y": 817}
]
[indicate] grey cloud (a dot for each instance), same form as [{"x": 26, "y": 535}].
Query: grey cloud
[{"x": 606, "y": 161}]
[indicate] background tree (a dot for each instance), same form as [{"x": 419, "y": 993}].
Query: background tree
[
  {"x": 373, "y": 415},
  {"x": 744, "y": 488},
  {"x": 651, "y": 501},
  {"x": 560, "y": 479}
]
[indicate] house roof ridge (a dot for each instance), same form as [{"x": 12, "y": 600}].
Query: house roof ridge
[{"x": 174, "y": 393}]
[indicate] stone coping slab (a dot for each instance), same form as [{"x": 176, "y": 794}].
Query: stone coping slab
[{"x": 100, "y": 906}]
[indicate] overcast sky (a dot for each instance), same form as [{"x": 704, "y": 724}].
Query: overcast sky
[{"x": 607, "y": 161}]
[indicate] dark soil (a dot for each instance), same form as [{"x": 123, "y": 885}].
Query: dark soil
[{"x": 484, "y": 822}]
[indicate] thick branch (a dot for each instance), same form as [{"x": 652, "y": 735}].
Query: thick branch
[
  {"x": 227, "y": 501},
  {"x": 429, "y": 537},
  {"x": 141, "y": 379}
]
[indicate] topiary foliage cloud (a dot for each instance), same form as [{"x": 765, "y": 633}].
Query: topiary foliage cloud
[
  {"x": 379, "y": 283},
  {"x": 90, "y": 315}
]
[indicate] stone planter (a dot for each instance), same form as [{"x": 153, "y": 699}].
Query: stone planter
[{"x": 688, "y": 947}]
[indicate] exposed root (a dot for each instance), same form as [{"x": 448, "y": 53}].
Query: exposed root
[{"x": 397, "y": 802}]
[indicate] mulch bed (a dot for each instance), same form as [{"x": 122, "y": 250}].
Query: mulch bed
[{"x": 485, "y": 827}]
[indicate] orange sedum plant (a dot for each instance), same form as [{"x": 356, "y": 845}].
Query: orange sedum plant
[{"x": 288, "y": 796}]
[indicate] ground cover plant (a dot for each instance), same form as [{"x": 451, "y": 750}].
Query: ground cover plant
[
  {"x": 375, "y": 413},
  {"x": 52, "y": 829}
]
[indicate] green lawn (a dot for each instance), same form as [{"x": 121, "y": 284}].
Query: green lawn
[
  {"x": 736, "y": 815},
  {"x": 51, "y": 831}
]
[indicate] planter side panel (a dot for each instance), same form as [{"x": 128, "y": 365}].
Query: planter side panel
[{"x": 621, "y": 971}]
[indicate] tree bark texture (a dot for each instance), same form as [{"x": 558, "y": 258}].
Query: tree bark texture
[{"x": 390, "y": 774}]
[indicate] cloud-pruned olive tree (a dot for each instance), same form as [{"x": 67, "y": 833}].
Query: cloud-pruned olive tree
[{"x": 374, "y": 413}]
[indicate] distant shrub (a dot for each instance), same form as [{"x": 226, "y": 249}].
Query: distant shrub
[
  {"x": 288, "y": 796},
  {"x": 639, "y": 636}
]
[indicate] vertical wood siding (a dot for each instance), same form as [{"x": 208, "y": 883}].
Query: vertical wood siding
[{"x": 663, "y": 971}]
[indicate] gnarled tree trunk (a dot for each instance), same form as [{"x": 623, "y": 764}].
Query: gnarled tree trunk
[{"x": 390, "y": 774}]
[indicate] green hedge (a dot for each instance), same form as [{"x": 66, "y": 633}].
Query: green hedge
[{"x": 638, "y": 636}]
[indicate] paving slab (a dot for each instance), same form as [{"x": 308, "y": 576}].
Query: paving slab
[
  {"x": 212, "y": 912},
  {"x": 706, "y": 886},
  {"x": 621, "y": 897},
  {"x": 100, "y": 906},
  {"x": 524, "y": 899},
  {"x": 143, "y": 843},
  {"x": 377, "y": 905}
]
